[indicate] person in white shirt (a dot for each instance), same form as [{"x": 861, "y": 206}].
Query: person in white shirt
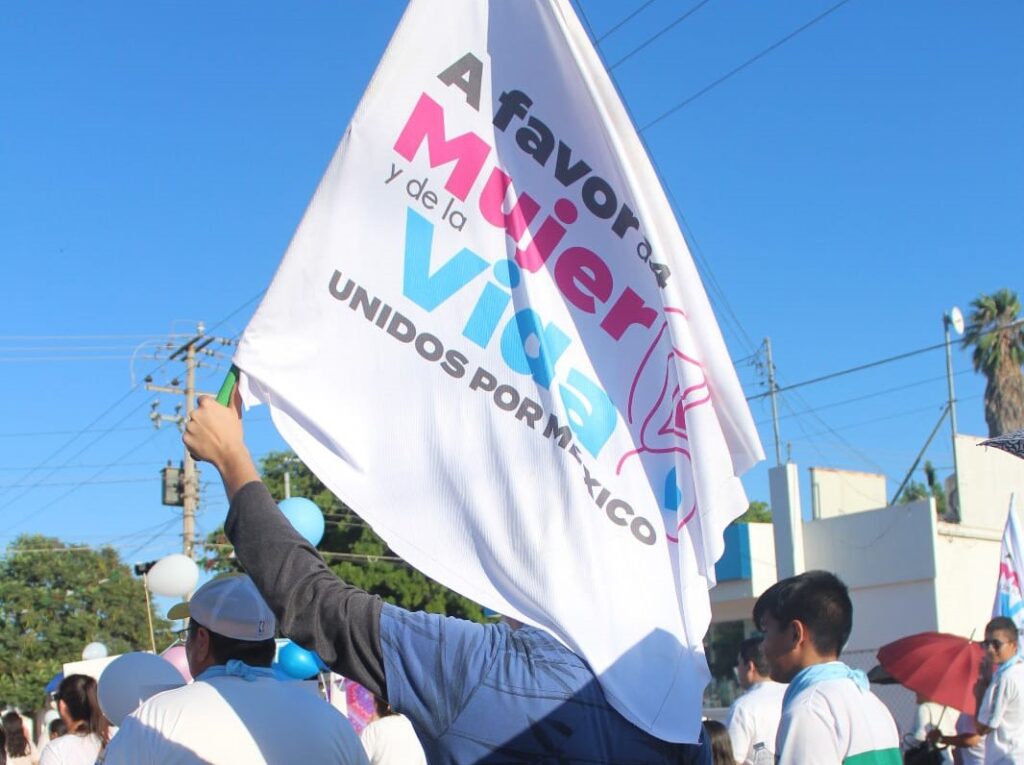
[
  {"x": 390, "y": 738},
  {"x": 829, "y": 714},
  {"x": 88, "y": 730},
  {"x": 753, "y": 719},
  {"x": 236, "y": 712},
  {"x": 1000, "y": 717}
]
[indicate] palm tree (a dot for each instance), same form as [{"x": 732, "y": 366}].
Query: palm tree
[{"x": 998, "y": 340}]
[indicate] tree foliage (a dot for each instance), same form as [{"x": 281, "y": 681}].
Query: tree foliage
[
  {"x": 757, "y": 512},
  {"x": 54, "y": 599},
  {"x": 998, "y": 354},
  {"x": 350, "y": 547},
  {"x": 915, "y": 490}
]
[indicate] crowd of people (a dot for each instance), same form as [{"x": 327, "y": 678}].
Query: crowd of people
[{"x": 457, "y": 692}]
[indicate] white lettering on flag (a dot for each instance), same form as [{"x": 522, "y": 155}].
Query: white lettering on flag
[{"x": 488, "y": 337}]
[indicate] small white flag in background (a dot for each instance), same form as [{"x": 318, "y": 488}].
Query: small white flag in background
[
  {"x": 488, "y": 337},
  {"x": 1009, "y": 596}
]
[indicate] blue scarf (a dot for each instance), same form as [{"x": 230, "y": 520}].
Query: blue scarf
[
  {"x": 819, "y": 673},
  {"x": 1007, "y": 664},
  {"x": 236, "y": 668}
]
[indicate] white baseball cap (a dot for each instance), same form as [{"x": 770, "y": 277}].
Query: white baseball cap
[{"x": 230, "y": 606}]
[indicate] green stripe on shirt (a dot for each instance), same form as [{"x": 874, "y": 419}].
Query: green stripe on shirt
[{"x": 876, "y": 757}]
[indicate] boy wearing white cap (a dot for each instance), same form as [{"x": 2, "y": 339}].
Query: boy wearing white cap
[{"x": 236, "y": 711}]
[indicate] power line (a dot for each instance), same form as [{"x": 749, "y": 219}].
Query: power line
[
  {"x": 705, "y": 267},
  {"x": 5, "y": 338},
  {"x": 851, "y": 370},
  {"x": 74, "y": 483},
  {"x": 664, "y": 30},
  {"x": 626, "y": 20},
  {"x": 690, "y": 99},
  {"x": 863, "y": 397},
  {"x": 82, "y": 483}
]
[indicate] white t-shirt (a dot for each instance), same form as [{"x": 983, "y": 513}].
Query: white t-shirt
[
  {"x": 71, "y": 749},
  {"x": 968, "y": 755},
  {"x": 391, "y": 740},
  {"x": 228, "y": 720},
  {"x": 1002, "y": 709},
  {"x": 835, "y": 722},
  {"x": 754, "y": 719}
]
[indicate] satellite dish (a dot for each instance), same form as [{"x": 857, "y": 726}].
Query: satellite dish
[{"x": 956, "y": 319}]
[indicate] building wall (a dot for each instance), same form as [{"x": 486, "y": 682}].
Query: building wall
[
  {"x": 968, "y": 565},
  {"x": 841, "y": 492},
  {"x": 987, "y": 479},
  {"x": 877, "y": 547}
]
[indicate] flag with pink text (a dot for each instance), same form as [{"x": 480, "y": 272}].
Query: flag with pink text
[
  {"x": 1009, "y": 595},
  {"x": 488, "y": 337}
]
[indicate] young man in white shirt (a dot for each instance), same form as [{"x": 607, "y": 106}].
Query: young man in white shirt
[
  {"x": 829, "y": 715},
  {"x": 236, "y": 712},
  {"x": 753, "y": 719},
  {"x": 1000, "y": 717}
]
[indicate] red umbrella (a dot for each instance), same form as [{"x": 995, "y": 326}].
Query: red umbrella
[{"x": 942, "y": 668}]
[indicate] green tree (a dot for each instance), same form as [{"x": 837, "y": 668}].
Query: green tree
[
  {"x": 915, "y": 490},
  {"x": 54, "y": 599},
  {"x": 757, "y": 512},
  {"x": 998, "y": 354},
  {"x": 350, "y": 547}
]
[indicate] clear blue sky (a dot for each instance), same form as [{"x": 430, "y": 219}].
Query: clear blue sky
[{"x": 843, "y": 192}]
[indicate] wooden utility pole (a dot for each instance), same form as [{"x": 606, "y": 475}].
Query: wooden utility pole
[
  {"x": 772, "y": 390},
  {"x": 187, "y": 353}
]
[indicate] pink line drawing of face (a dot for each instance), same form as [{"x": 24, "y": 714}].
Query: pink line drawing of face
[{"x": 667, "y": 386}]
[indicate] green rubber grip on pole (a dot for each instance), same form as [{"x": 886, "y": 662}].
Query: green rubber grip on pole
[{"x": 230, "y": 381}]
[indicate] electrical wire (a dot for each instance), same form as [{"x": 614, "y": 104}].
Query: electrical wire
[
  {"x": 664, "y": 30},
  {"x": 626, "y": 20},
  {"x": 690, "y": 99}
]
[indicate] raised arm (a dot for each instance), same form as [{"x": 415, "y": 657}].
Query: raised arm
[{"x": 313, "y": 606}]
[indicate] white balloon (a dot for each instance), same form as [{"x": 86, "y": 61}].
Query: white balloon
[
  {"x": 94, "y": 651},
  {"x": 132, "y": 678},
  {"x": 174, "y": 576}
]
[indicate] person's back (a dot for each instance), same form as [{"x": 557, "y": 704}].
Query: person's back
[
  {"x": 753, "y": 719},
  {"x": 391, "y": 740},
  {"x": 507, "y": 696},
  {"x": 837, "y": 721},
  {"x": 72, "y": 749},
  {"x": 228, "y": 719}
]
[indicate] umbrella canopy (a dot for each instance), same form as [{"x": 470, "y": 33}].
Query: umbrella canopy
[
  {"x": 51, "y": 687},
  {"x": 1010, "y": 442},
  {"x": 942, "y": 668}
]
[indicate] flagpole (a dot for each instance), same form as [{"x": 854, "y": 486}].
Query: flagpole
[{"x": 230, "y": 380}]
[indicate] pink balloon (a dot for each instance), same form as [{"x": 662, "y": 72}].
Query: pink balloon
[{"x": 176, "y": 656}]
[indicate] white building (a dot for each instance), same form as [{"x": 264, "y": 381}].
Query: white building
[{"x": 907, "y": 571}]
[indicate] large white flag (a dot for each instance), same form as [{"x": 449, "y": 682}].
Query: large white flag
[
  {"x": 1009, "y": 596},
  {"x": 488, "y": 337}
]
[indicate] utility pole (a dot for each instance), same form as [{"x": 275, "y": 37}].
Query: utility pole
[
  {"x": 772, "y": 389},
  {"x": 955, "y": 320},
  {"x": 188, "y": 353}
]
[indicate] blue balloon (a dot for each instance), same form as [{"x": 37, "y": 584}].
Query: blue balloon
[
  {"x": 305, "y": 517},
  {"x": 297, "y": 662}
]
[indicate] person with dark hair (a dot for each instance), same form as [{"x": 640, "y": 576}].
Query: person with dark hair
[
  {"x": 753, "y": 719},
  {"x": 390, "y": 739},
  {"x": 721, "y": 746},
  {"x": 236, "y": 712},
  {"x": 473, "y": 692},
  {"x": 1000, "y": 717},
  {"x": 57, "y": 728},
  {"x": 829, "y": 714},
  {"x": 88, "y": 730},
  {"x": 19, "y": 748}
]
